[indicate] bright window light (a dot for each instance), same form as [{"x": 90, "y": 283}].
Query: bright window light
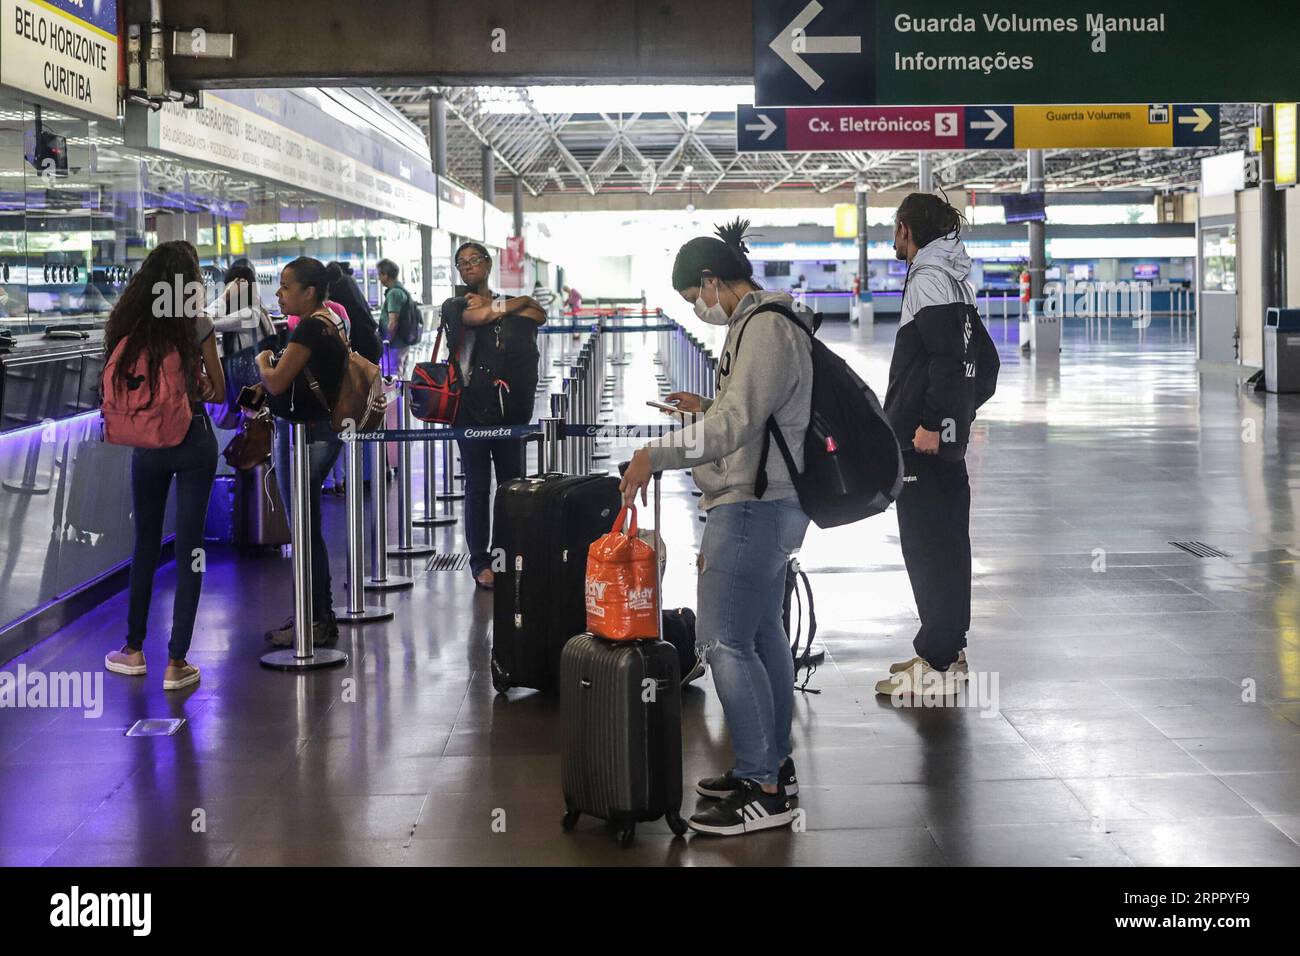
[{"x": 623, "y": 99}]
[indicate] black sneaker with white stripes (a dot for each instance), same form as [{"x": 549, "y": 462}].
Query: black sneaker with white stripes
[
  {"x": 745, "y": 809},
  {"x": 725, "y": 784}
]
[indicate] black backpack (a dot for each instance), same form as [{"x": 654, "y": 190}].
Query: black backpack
[
  {"x": 853, "y": 467},
  {"x": 410, "y": 323}
]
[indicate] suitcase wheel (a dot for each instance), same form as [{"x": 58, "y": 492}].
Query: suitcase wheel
[
  {"x": 500, "y": 679},
  {"x": 627, "y": 835},
  {"x": 570, "y": 819},
  {"x": 675, "y": 823}
]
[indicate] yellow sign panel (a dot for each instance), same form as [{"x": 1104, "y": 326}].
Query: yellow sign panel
[
  {"x": 1284, "y": 144},
  {"x": 846, "y": 220},
  {"x": 236, "y": 238},
  {"x": 1133, "y": 125}
]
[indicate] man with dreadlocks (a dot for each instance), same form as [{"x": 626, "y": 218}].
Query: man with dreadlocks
[{"x": 749, "y": 536}]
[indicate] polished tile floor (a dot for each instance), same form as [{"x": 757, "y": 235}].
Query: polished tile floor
[{"x": 1134, "y": 705}]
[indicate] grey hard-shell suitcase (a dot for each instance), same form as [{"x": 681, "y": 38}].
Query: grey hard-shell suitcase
[{"x": 620, "y": 710}]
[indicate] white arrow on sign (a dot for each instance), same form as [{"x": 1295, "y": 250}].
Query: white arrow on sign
[
  {"x": 995, "y": 124},
  {"x": 1201, "y": 118},
  {"x": 767, "y": 126},
  {"x": 784, "y": 45}
]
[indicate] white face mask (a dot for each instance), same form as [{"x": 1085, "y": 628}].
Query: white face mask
[{"x": 713, "y": 314}]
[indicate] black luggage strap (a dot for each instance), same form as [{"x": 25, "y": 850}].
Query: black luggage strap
[
  {"x": 772, "y": 428},
  {"x": 803, "y": 661}
]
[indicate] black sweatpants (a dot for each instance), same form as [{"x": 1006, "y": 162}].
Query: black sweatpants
[{"x": 934, "y": 531}]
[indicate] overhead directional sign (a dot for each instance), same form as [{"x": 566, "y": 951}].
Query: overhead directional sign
[
  {"x": 831, "y": 129},
  {"x": 895, "y": 52}
]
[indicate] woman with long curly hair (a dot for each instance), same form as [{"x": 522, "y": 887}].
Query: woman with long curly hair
[{"x": 160, "y": 312}]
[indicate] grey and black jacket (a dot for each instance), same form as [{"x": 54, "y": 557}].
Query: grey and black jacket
[{"x": 945, "y": 365}]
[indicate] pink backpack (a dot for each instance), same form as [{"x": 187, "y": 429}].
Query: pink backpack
[{"x": 127, "y": 420}]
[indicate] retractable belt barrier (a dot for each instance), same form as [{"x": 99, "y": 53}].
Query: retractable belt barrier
[
  {"x": 497, "y": 432},
  {"x": 549, "y": 329}
]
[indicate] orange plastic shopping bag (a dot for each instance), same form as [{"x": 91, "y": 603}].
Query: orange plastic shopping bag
[{"x": 621, "y": 583}]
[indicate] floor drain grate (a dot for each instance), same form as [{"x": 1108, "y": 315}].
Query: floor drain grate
[
  {"x": 1200, "y": 549},
  {"x": 448, "y": 562},
  {"x": 156, "y": 727}
]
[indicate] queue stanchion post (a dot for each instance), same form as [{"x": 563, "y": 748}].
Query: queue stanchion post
[
  {"x": 449, "y": 492},
  {"x": 558, "y": 452},
  {"x": 406, "y": 546},
  {"x": 566, "y": 412},
  {"x": 575, "y": 410},
  {"x": 430, "y": 518},
  {"x": 580, "y": 377},
  {"x": 380, "y": 579},
  {"x": 584, "y": 395},
  {"x": 550, "y": 450},
  {"x": 599, "y": 450},
  {"x": 357, "y": 611},
  {"x": 303, "y": 656},
  {"x": 544, "y": 377},
  {"x": 593, "y": 401}
]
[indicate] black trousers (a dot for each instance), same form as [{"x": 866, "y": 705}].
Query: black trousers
[{"x": 934, "y": 531}]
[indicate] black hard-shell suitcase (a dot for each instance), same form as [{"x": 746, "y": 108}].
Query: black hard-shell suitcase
[
  {"x": 621, "y": 712},
  {"x": 620, "y": 707},
  {"x": 543, "y": 528}
]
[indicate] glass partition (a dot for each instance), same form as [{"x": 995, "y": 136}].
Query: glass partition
[{"x": 79, "y": 211}]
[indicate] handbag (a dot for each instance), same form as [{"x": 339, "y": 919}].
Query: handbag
[
  {"x": 252, "y": 443},
  {"x": 435, "y": 388}
]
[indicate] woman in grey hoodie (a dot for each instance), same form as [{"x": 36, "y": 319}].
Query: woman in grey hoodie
[{"x": 748, "y": 539}]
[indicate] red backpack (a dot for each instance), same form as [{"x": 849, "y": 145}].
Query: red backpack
[{"x": 136, "y": 416}]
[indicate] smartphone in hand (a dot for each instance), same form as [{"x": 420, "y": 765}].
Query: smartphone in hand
[{"x": 251, "y": 398}]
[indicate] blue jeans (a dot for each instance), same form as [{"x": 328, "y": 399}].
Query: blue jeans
[
  {"x": 324, "y": 448},
  {"x": 741, "y": 589},
  {"x": 193, "y": 463},
  {"x": 477, "y": 458}
]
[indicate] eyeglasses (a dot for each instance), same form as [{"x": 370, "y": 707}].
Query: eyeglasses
[{"x": 471, "y": 262}]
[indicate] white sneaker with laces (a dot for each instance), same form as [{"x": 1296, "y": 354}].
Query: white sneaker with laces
[
  {"x": 920, "y": 680},
  {"x": 959, "y": 665}
]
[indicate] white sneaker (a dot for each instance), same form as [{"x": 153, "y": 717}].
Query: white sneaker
[
  {"x": 119, "y": 663},
  {"x": 178, "y": 678},
  {"x": 959, "y": 665},
  {"x": 919, "y": 680}
]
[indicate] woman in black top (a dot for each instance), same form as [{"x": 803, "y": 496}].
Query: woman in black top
[{"x": 320, "y": 345}]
